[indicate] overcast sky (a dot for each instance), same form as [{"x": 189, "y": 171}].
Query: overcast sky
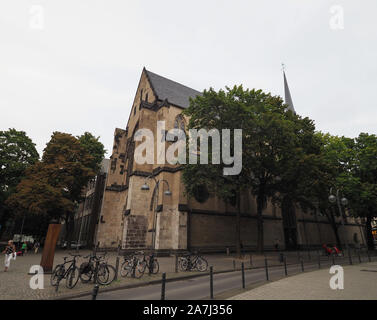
[{"x": 74, "y": 66}]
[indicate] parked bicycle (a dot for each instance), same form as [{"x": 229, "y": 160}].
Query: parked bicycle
[
  {"x": 150, "y": 262},
  {"x": 133, "y": 265},
  {"x": 70, "y": 273},
  {"x": 192, "y": 261},
  {"x": 97, "y": 269}
]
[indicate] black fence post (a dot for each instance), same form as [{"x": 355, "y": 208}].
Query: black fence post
[
  {"x": 251, "y": 260},
  {"x": 211, "y": 282},
  {"x": 95, "y": 291},
  {"x": 319, "y": 261},
  {"x": 234, "y": 264},
  {"x": 163, "y": 283},
  {"x": 176, "y": 263},
  {"x": 358, "y": 254},
  {"x": 285, "y": 266},
  {"x": 266, "y": 267},
  {"x": 243, "y": 275},
  {"x": 302, "y": 265},
  {"x": 116, "y": 268}
]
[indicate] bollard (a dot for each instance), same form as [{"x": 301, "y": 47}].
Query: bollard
[
  {"x": 319, "y": 261},
  {"x": 358, "y": 254},
  {"x": 266, "y": 267},
  {"x": 234, "y": 264},
  {"x": 302, "y": 265},
  {"x": 176, "y": 263},
  {"x": 116, "y": 268},
  {"x": 251, "y": 260},
  {"x": 163, "y": 282},
  {"x": 285, "y": 266},
  {"x": 243, "y": 275},
  {"x": 95, "y": 291},
  {"x": 211, "y": 282}
]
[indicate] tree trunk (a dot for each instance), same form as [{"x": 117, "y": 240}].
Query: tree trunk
[
  {"x": 238, "y": 226},
  {"x": 260, "y": 241},
  {"x": 368, "y": 231}
]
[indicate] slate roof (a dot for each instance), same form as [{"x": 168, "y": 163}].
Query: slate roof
[{"x": 174, "y": 92}]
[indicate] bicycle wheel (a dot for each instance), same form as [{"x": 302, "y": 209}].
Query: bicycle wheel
[
  {"x": 103, "y": 274},
  {"x": 73, "y": 276},
  {"x": 57, "y": 274},
  {"x": 111, "y": 274},
  {"x": 183, "y": 264},
  {"x": 86, "y": 273},
  {"x": 201, "y": 264},
  {"x": 140, "y": 268},
  {"x": 155, "y": 267},
  {"x": 126, "y": 269}
]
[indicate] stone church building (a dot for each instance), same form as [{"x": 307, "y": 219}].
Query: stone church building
[{"x": 135, "y": 217}]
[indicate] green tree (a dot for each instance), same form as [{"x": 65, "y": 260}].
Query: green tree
[
  {"x": 359, "y": 181},
  {"x": 218, "y": 110},
  {"x": 54, "y": 186},
  {"x": 93, "y": 147},
  {"x": 274, "y": 142},
  {"x": 17, "y": 153}
]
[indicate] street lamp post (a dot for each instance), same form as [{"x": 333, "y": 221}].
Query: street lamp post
[
  {"x": 344, "y": 202},
  {"x": 145, "y": 187}
]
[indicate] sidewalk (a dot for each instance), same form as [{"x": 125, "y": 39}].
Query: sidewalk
[
  {"x": 359, "y": 284},
  {"x": 14, "y": 284}
]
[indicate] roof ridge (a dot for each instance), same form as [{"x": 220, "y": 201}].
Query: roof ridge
[{"x": 148, "y": 71}]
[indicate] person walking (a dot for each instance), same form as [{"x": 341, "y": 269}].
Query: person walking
[
  {"x": 24, "y": 248},
  {"x": 10, "y": 251},
  {"x": 36, "y": 247}
]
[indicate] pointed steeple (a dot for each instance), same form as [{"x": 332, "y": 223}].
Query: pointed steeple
[{"x": 288, "y": 98}]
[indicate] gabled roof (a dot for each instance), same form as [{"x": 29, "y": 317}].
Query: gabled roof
[{"x": 174, "y": 92}]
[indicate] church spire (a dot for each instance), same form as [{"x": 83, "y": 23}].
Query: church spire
[{"x": 288, "y": 98}]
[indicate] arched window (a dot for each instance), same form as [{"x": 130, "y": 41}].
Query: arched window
[{"x": 179, "y": 122}]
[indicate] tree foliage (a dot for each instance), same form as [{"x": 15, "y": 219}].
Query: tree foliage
[
  {"x": 277, "y": 146},
  {"x": 17, "y": 153},
  {"x": 53, "y": 186}
]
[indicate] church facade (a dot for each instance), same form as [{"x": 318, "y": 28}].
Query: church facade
[{"x": 163, "y": 217}]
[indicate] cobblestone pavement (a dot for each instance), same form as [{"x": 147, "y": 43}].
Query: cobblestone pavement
[
  {"x": 14, "y": 284},
  {"x": 359, "y": 284}
]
